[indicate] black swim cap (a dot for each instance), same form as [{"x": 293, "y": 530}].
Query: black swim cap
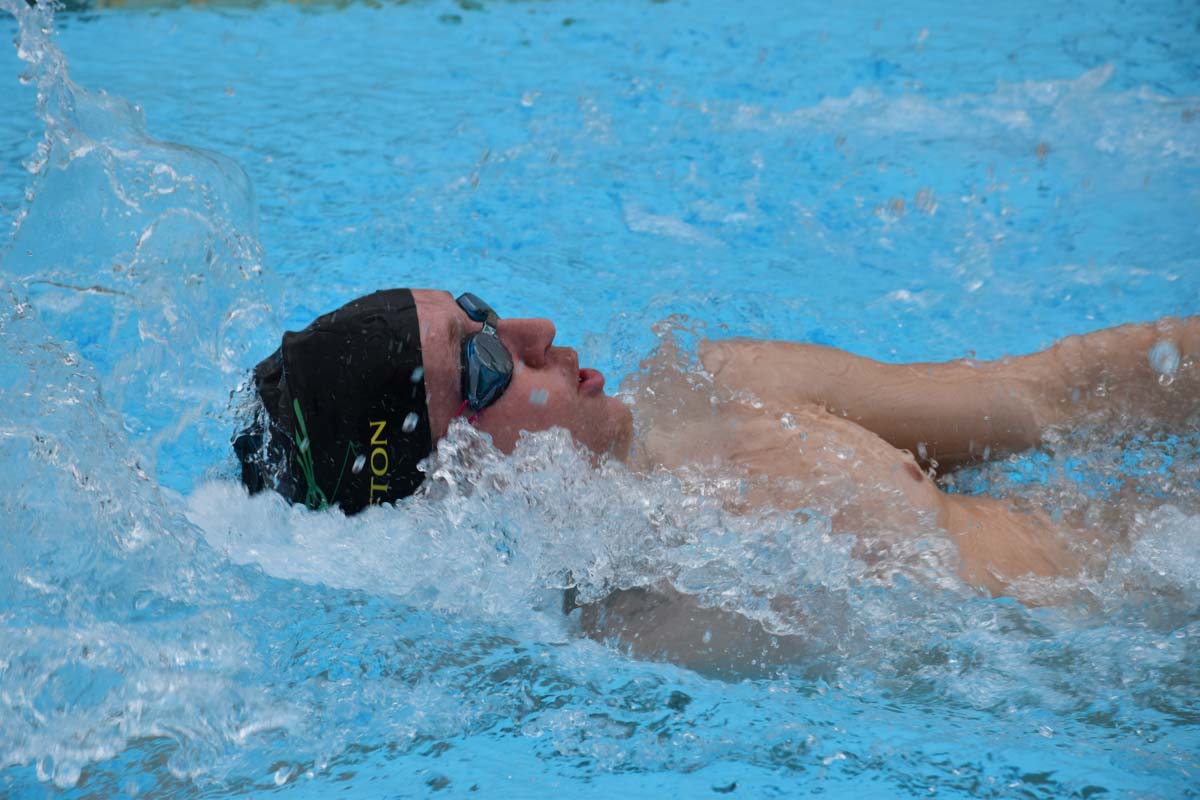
[{"x": 344, "y": 399}]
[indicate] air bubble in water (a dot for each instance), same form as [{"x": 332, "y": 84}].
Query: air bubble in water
[
  {"x": 1164, "y": 359},
  {"x": 359, "y": 463},
  {"x": 410, "y": 422},
  {"x": 1166, "y": 379},
  {"x": 539, "y": 397},
  {"x": 417, "y": 375}
]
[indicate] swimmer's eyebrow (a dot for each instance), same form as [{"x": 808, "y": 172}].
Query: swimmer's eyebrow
[{"x": 454, "y": 335}]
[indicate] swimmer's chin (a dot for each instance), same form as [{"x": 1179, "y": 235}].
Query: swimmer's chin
[{"x": 622, "y": 440}]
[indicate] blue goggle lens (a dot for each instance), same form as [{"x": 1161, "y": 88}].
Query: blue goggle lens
[{"x": 487, "y": 366}]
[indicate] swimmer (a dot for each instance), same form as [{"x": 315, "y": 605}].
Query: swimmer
[{"x": 352, "y": 404}]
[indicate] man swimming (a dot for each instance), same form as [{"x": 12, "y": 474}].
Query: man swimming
[{"x": 352, "y": 404}]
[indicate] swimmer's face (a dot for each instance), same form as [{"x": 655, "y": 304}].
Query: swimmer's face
[{"x": 547, "y": 389}]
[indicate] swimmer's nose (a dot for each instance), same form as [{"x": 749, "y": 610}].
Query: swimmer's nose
[{"x": 528, "y": 340}]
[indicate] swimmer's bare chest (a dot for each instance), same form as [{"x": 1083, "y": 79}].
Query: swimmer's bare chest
[
  {"x": 797, "y": 457},
  {"x": 801, "y": 456}
]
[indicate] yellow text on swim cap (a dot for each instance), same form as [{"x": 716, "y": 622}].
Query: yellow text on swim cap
[{"x": 379, "y": 458}]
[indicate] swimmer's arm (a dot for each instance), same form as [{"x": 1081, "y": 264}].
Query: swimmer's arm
[
  {"x": 1120, "y": 369},
  {"x": 961, "y": 411},
  {"x": 949, "y": 413}
]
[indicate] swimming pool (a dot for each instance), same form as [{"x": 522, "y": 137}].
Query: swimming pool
[{"x": 915, "y": 185}]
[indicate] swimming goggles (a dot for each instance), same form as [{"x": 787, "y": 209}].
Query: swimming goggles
[{"x": 486, "y": 365}]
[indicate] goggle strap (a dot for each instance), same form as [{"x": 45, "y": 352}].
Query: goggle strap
[{"x": 471, "y": 419}]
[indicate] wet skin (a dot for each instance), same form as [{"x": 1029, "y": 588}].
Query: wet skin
[
  {"x": 860, "y": 440},
  {"x": 547, "y": 390}
]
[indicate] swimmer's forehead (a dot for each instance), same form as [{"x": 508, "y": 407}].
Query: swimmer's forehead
[{"x": 443, "y": 325}]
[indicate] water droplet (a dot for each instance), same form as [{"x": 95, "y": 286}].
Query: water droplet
[
  {"x": 788, "y": 422},
  {"x": 359, "y": 463},
  {"x": 922, "y": 451},
  {"x": 410, "y": 422},
  {"x": 539, "y": 397},
  {"x": 707, "y": 637},
  {"x": 1164, "y": 359},
  {"x": 1165, "y": 379},
  {"x": 303, "y": 445},
  {"x": 417, "y": 375}
]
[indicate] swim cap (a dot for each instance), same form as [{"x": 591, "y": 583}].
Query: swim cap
[{"x": 346, "y": 417}]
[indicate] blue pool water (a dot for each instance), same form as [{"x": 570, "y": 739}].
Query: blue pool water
[{"x": 923, "y": 183}]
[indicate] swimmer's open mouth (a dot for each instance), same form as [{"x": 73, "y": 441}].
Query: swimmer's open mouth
[{"x": 591, "y": 381}]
